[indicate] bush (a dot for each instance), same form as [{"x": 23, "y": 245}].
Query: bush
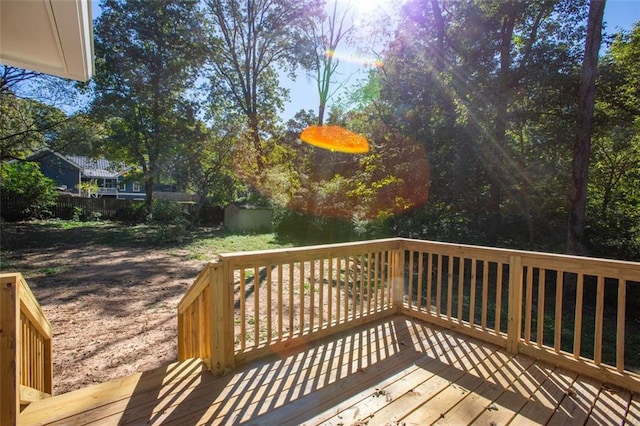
[
  {"x": 305, "y": 228},
  {"x": 172, "y": 220},
  {"x": 25, "y": 193},
  {"x": 134, "y": 211}
]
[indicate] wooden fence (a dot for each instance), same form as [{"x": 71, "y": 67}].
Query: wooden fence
[
  {"x": 99, "y": 208},
  {"x": 552, "y": 307}
]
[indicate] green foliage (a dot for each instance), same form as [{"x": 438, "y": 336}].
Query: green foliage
[
  {"x": 25, "y": 192},
  {"x": 305, "y": 228},
  {"x": 147, "y": 58}
]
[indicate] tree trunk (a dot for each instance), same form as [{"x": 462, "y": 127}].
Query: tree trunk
[
  {"x": 584, "y": 124},
  {"x": 500, "y": 126},
  {"x": 148, "y": 188},
  {"x": 255, "y": 139}
]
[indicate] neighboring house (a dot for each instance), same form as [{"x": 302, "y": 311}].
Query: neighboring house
[
  {"x": 246, "y": 218},
  {"x": 69, "y": 170}
]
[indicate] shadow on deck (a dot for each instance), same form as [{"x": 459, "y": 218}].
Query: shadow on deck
[{"x": 397, "y": 370}]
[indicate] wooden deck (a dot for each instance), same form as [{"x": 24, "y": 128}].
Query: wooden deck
[{"x": 391, "y": 372}]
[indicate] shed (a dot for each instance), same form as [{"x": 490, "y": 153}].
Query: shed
[{"x": 247, "y": 218}]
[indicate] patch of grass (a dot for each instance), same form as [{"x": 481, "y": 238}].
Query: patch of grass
[
  {"x": 199, "y": 243},
  {"x": 55, "y": 270}
]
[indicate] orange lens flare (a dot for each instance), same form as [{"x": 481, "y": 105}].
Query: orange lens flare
[{"x": 335, "y": 138}]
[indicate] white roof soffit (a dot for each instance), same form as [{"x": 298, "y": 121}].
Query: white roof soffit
[{"x": 49, "y": 36}]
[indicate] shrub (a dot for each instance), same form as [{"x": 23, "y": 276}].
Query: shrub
[{"x": 25, "y": 193}]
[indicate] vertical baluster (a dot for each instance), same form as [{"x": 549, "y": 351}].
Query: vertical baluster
[
  {"x": 321, "y": 295},
  {"x": 472, "y": 302},
  {"x": 499, "y": 268},
  {"x": 577, "y": 332},
  {"x": 256, "y": 307},
  {"x": 360, "y": 271},
  {"x": 622, "y": 300},
  {"x": 338, "y": 289},
  {"x": 291, "y": 291},
  {"x": 369, "y": 281},
  {"x": 420, "y": 268},
  {"x": 439, "y": 286},
  {"x": 280, "y": 302},
  {"x": 557, "y": 332},
  {"x": 541, "y": 297},
  {"x": 301, "y": 321},
  {"x": 243, "y": 308},
  {"x": 450, "y": 288},
  {"x": 485, "y": 294},
  {"x": 597, "y": 344},
  {"x": 354, "y": 286},
  {"x": 461, "y": 289},
  {"x": 528, "y": 310},
  {"x": 330, "y": 291},
  {"x": 312, "y": 294},
  {"x": 376, "y": 281},
  {"x": 410, "y": 278},
  {"x": 267, "y": 288}
]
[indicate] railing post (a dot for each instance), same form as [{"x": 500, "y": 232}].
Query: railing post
[
  {"x": 221, "y": 317},
  {"x": 9, "y": 350},
  {"x": 398, "y": 278},
  {"x": 515, "y": 304}
]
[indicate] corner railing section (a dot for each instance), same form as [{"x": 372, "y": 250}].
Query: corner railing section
[
  {"x": 552, "y": 307},
  {"x": 268, "y": 301},
  {"x": 25, "y": 348}
]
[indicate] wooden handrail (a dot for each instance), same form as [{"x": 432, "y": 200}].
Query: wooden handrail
[
  {"x": 26, "y": 372},
  {"x": 266, "y": 301}
]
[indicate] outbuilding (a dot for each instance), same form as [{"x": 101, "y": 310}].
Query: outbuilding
[{"x": 247, "y": 218}]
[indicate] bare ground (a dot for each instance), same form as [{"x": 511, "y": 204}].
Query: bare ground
[{"x": 113, "y": 310}]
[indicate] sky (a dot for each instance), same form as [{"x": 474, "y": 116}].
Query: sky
[{"x": 618, "y": 15}]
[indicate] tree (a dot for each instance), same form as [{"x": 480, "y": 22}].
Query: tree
[
  {"x": 206, "y": 165},
  {"x": 25, "y": 193},
  {"x": 30, "y": 119},
  {"x": 326, "y": 36},
  {"x": 148, "y": 54},
  {"x": 584, "y": 122},
  {"x": 613, "y": 207},
  {"x": 253, "y": 40}
]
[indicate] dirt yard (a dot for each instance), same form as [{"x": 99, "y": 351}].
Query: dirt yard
[{"x": 113, "y": 310}]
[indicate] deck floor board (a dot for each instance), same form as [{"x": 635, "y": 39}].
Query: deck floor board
[{"x": 393, "y": 371}]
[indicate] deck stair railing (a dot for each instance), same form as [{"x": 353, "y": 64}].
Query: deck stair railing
[
  {"x": 552, "y": 307},
  {"x": 25, "y": 348}
]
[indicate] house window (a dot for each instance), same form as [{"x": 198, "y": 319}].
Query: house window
[
  {"x": 136, "y": 187},
  {"x": 122, "y": 186}
]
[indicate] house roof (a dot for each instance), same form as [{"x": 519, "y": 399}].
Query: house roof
[
  {"x": 88, "y": 167},
  {"x": 97, "y": 168}
]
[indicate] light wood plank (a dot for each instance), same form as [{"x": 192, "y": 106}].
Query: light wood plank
[
  {"x": 433, "y": 409},
  {"x": 633, "y": 412},
  {"x": 473, "y": 364},
  {"x": 542, "y": 405},
  {"x": 503, "y": 409},
  {"x": 83, "y": 400},
  {"x": 610, "y": 407},
  {"x": 476, "y": 402},
  {"x": 577, "y": 403}
]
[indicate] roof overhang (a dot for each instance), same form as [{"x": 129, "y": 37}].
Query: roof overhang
[{"x": 50, "y": 36}]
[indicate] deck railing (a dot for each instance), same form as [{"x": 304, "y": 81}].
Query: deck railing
[
  {"x": 552, "y": 307},
  {"x": 25, "y": 348},
  {"x": 268, "y": 301}
]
